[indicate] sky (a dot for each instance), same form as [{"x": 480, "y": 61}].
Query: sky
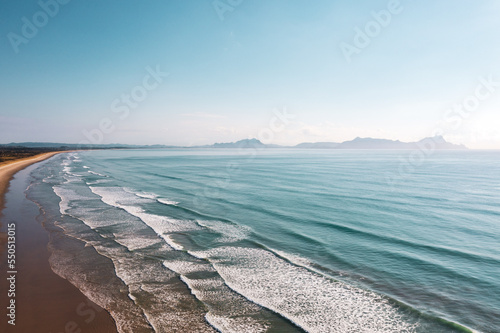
[{"x": 283, "y": 71}]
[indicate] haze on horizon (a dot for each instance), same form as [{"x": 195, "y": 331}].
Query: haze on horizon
[{"x": 287, "y": 71}]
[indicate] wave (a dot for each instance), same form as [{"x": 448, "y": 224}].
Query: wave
[
  {"x": 150, "y": 286},
  {"x": 352, "y": 299},
  {"x": 229, "y": 232},
  {"x": 173, "y": 243},
  {"x": 235, "y": 284},
  {"x": 167, "y": 202},
  {"x": 311, "y": 301},
  {"x": 227, "y": 310},
  {"x": 154, "y": 196},
  {"x": 140, "y": 194},
  {"x": 298, "y": 260},
  {"x": 96, "y": 173},
  {"x": 162, "y": 225}
]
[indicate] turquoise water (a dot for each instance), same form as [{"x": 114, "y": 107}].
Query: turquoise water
[{"x": 290, "y": 240}]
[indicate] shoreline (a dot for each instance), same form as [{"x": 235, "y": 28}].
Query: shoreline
[
  {"x": 7, "y": 172},
  {"x": 44, "y": 300},
  {"x": 9, "y": 169}
]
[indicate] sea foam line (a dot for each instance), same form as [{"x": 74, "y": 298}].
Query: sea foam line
[
  {"x": 162, "y": 225},
  {"x": 153, "y": 196},
  {"x": 311, "y": 301}
]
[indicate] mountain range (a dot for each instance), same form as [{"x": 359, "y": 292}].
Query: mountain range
[{"x": 437, "y": 142}]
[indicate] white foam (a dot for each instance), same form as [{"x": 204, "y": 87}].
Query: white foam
[
  {"x": 141, "y": 194},
  {"x": 48, "y": 179},
  {"x": 79, "y": 202},
  {"x": 98, "y": 181},
  {"x": 293, "y": 258},
  {"x": 167, "y": 202},
  {"x": 133, "y": 243},
  {"x": 236, "y": 325},
  {"x": 228, "y": 311},
  {"x": 147, "y": 281},
  {"x": 230, "y": 232},
  {"x": 71, "y": 178},
  {"x": 96, "y": 173},
  {"x": 146, "y": 195},
  {"x": 313, "y": 302},
  {"x": 152, "y": 196},
  {"x": 128, "y": 318},
  {"x": 183, "y": 267},
  {"x": 66, "y": 196},
  {"x": 175, "y": 245},
  {"x": 204, "y": 287},
  {"x": 86, "y": 167},
  {"x": 162, "y": 225},
  {"x": 169, "y": 310},
  {"x": 147, "y": 285}
]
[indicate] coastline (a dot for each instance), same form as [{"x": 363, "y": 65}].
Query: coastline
[
  {"x": 9, "y": 169},
  {"x": 44, "y": 300},
  {"x": 7, "y": 172}
]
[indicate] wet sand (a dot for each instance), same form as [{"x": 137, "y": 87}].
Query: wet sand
[
  {"x": 7, "y": 170},
  {"x": 44, "y": 302}
]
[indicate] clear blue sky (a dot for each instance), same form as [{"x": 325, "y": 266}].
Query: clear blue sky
[{"x": 228, "y": 76}]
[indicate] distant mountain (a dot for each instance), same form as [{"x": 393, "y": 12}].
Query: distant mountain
[
  {"x": 36, "y": 145},
  {"x": 437, "y": 142},
  {"x": 369, "y": 143},
  {"x": 247, "y": 143},
  {"x": 440, "y": 143},
  {"x": 317, "y": 145}
]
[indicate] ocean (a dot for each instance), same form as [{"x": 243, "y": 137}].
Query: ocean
[{"x": 278, "y": 240}]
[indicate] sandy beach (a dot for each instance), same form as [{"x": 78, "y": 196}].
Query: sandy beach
[
  {"x": 7, "y": 170},
  {"x": 45, "y": 302}
]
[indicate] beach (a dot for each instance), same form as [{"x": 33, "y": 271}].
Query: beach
[
  {"x": 43, "y": 301},
  {"x": 7, "y": 170}
]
